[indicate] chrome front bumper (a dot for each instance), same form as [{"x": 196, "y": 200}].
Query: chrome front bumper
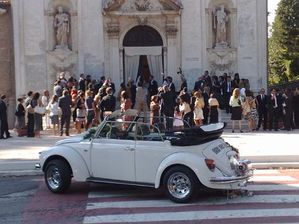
[{"x": 38, "y": 166}]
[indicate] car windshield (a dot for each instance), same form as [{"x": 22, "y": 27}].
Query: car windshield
[{"x": 90, "y": 133}]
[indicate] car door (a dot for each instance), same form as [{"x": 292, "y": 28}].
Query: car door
[
  {"x": 151, "y": 149},
  {"x": 112, "y": 156}
]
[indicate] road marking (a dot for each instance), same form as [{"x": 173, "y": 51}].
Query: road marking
[
  {"x": 219, "y": 200},
  {"x": 274, "y": 187},
  {"x": 272, "y": 179},
  {"x": 276, "y": 201},
  {"x": 265, "y": 172},
  {"x": 192, "y": 215}
]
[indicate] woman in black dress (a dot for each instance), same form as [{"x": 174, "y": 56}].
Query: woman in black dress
[
  {"x": 236, "y": 104},
  {"x": 214, "y": 105},
  {"x": 20, "y": 117}
]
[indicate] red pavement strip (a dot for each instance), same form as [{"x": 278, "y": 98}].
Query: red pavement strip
[{"x": 47, "y": 208}]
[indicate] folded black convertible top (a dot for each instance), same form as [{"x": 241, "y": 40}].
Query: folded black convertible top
[{"x": 195, "y": 135}]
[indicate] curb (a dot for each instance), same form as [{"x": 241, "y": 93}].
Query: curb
[{"x": 276, "y": 165}]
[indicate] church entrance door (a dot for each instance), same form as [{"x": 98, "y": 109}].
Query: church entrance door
[
  {"x": 143, "y": 54},
  {"x": 144, "y": 70}
]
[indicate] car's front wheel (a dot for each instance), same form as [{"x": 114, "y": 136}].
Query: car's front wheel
[
  {"x": 180, "y": 184},
  {"x": 58, "y": 176}
]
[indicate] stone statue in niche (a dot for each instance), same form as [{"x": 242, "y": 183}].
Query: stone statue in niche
[
  {"x": 220, "y": 26},
  {"x": 62, "y": 28}
]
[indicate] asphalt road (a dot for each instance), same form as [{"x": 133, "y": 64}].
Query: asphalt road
[
  {"x": 15, "y": 194},
  {"x": 26, "y": 200}
]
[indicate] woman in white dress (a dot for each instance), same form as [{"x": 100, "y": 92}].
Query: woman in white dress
[
  {"x": 54, "y": 111},
  {"x": 198, "y": 108}
]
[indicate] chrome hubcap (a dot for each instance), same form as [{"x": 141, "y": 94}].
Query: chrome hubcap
[
  {"x": 53, "y": 178},
  {"x": 179, "y": 185}
]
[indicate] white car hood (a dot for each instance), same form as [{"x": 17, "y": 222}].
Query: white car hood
[{"x": 74, "y": 139}]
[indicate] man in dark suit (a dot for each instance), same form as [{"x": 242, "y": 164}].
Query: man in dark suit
[
  {"x": 82, "y": 83},
  {"x": 98, "y": 85},
  {"x": 288, "y": 110},
  {"x": 108, "y": 103},
  {"x": 274, "y": 107},
  {"x": 167, "y": 106},
  {"x": 3, "y": 118},
  {"x": 65, "y": 104},
  {"x": 198, "y": 84},
  {"x": 111, "y": 84},
  {"x": 152, "y": 89},
  {"x": 206, "y": 110},
  {"x": 227, "y": 89},
  {"x": 171, "y": 85},
  {"x": 262, "y": 108},
  {"x": 153, "y": 86}
]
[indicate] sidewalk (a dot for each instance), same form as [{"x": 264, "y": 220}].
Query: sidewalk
[{"x": 265, "y": 149}]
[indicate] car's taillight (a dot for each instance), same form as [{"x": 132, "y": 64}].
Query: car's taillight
[{"x": 210, "y": 164}]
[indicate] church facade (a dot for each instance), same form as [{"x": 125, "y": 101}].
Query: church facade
[{"x": 123, "y": 38}]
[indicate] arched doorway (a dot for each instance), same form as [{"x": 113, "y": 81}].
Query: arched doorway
[{"x": 143, "y": 54}]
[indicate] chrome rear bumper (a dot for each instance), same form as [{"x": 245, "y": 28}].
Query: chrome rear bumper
[{"x": 232, "y": 179}]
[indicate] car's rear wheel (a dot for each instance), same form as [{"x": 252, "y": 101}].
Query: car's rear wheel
[
  {"x": 58, "y": 176},
  {"x": 180, "y": 184}
]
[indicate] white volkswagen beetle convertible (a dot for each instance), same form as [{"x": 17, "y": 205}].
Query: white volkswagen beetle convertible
[{"x": 133, "y": 152}]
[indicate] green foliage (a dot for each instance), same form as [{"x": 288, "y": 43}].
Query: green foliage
[{"x": 284, "y": 43}]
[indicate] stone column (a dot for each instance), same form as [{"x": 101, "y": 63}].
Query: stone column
[
  {"x": 18, "y": 18},
  {"x": 165, "y": 55},
  {"x": 172, "y": 49},
  {"x": 112, "y": 30},
  {"x": 233, "y": 29},
  {"x": 121, "y": 65}
]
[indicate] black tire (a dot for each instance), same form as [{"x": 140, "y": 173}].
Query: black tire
[
  {"x": 58, "y": 176},
  {"x": 180, "y": 184}
]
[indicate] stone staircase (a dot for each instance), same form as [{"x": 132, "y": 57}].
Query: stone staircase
[{"x": 224, "y": 117}]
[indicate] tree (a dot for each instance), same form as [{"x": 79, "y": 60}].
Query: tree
[{"x": 284, "y": 43}]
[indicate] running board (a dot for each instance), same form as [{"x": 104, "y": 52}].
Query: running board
[{"x": 119, "y": 182}]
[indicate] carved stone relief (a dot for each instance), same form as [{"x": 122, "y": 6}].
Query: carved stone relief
[
  {"x": 221, "y": 61},
  {"x": 113, "y": 29},
  {"x": 141, "y": 5}
]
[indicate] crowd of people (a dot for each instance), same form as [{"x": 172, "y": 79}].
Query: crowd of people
[{"x": 86, "y": 102}]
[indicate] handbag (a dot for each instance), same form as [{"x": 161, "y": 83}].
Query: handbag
[
  {"x": 30, "y": 109},
  {"x": 39, "y": 110}
]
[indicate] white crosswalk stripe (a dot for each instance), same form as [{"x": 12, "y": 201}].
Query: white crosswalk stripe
[
  {"x": 210, "y": 201},
  {"x": 194, "y": 215},
  {"x": 276, "y": 197},
  {"x": 271, "y": 178}
]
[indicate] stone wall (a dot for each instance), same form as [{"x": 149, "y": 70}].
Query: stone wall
[
  {"x": 96, "y": 39},
  {"x": 7, "y": 83}
]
